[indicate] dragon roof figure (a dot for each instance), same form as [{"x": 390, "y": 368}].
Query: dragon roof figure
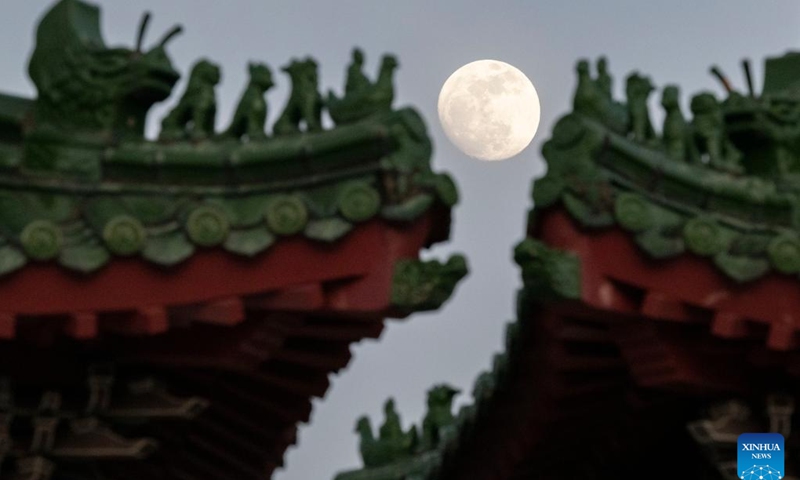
[{"x": 170, "y": 307}]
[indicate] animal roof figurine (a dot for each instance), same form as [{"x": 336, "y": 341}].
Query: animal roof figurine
[{"x": 170, "y": 307}]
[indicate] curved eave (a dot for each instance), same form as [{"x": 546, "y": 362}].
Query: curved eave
[
  {"x": 616, "y": 370},
  {"x": 322, "y": 185},
  {"x": 255, "y": 339},
  {"x": 616, "y": 276},
  {"x": 746, "y": 225},
  {"x": 353, "y": 276},
  {"x": 604, "y": 368}
]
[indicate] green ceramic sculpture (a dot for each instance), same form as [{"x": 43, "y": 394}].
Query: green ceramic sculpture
[
  {"x": 420, "y": 285},
  {"x": 443, "y": 432},
  {"x": 604, "y": 81},
  {"x": 710, "y": 135},
  {"x": 723, "y": 184},
  {"x": 194, "y": 115},
  {"x": 356, "y": 80},
  {"x": 81, "y": 186},
  {"x": 362, "y": 97},
  {"x": 393, "y": 445},
  {"x": 304, "y": 108},
  {"x": 638, "y": 89},
  {"x": 88, "y": 90},
  {"x": 675, "y": 134},
  {"x": 250, "y": 118},
  {"x": 86, "y": 198},
  {"x": 439, "y": 416}
]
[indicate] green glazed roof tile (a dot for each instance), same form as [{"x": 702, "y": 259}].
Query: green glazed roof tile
[
  {"x": 84, "y": 258},
  {"x": 410, "y": 209},
  {"x": 41, "y": 240},
  {"x": 242, "y": 212},
  {"x": 358, "y": 201},
  {"x": 140, "y": 218},
  {"x": 697, "y": 187},
  {"x": 327, "y": 230},
  {"x": 152, "y": 210},
  {"x": 741, "y": 268},
  {"x": 11, "y": 259},
  {"x": 168, "y": 249},
  {"x": 659, "y": 245},
  {"x": 14, "y": 216},
  {"x": 249, "y": 242},
  {"x": 124, "y": 235},
  {"x": 81, "y": 186}
]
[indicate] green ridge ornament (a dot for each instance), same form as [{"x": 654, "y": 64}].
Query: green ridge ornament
[
  {"x": 547, "y": 191},
  {"x": 286, "y": 214},
  {"x": 703, "y": 236},
  {"x": 359, "y": 202},
  {"x": 41, "y": 240},
  {"x": 327, "y": 230},
  {"x": 124, "y": 235},
  {"x": 249, "y": 242},
  {"x": 75, "y": 155},
  {"x": 568, "y": 131},
  {"x": 784, "y": 253},
  {"x": 207, "y": 226},
  {"x": 410, "y": 209},
  {"x": 633, "y": 212},
  {"x": 447, "y": 190}
]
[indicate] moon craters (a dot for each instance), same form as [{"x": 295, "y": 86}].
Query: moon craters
[{"x": 489, "y": 110}]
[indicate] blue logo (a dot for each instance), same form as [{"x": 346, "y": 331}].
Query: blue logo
[{"x": 760, "y": 456}]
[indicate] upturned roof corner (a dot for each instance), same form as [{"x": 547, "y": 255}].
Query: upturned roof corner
[
  {"x": 722, "y": 184},
  {"x": 80, "y": 185}
]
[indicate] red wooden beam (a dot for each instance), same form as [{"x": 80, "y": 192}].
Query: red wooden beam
[
  {"x": 8, "y": 326},
  {"x": 609, "y": 256},
  {"x": 227, "y": 312},
  {"x": 294, "y": 298},
  {"x": 81, "y": 326},
  {"x": 127, "y": 284}
]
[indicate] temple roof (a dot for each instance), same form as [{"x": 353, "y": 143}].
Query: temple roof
[
  {"x": 171, "y": 306},
  {"x": 84, "y": 227},
  {"x": 80, "y": 186},
  {"x": 659, "y": 273},
  {"x": 82, "y": 189},
  {"x": 721, "y": 185},
  {"x": 432, "y": 461}
]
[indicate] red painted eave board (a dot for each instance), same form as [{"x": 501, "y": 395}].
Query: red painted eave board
[
  {"x": 130, "y": 284},
  {"x": 690, "y": 279}
]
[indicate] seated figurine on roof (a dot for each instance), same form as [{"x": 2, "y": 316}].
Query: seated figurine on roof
[
  {"x": 439, "y": 415},
  {"x": 604, "y": 81},
  {"x": 757, "y": 135},
  {"x": 392, "y": 444},
  {"x": 638, "y": 89},
  {"x": 401, "y": 448},
  {"x": 710, "y": 136},
  {"x": 362, "y": 97},
  {"x": 250, "y": 117},
  {"x": 225, "y": 236},
  {"x": 196, "y": 111},
  {"x": 356, "y": 80},
  {"x": 304, "y": 108},
  {"x": 676, "y": 133},
  {"x": 593, "y": 96}
]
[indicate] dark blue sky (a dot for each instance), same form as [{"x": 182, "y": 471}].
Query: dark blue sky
[{"x": 673, "y": 41}]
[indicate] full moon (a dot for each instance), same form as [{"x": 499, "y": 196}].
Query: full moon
[{"x": 489, "y": 110}]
